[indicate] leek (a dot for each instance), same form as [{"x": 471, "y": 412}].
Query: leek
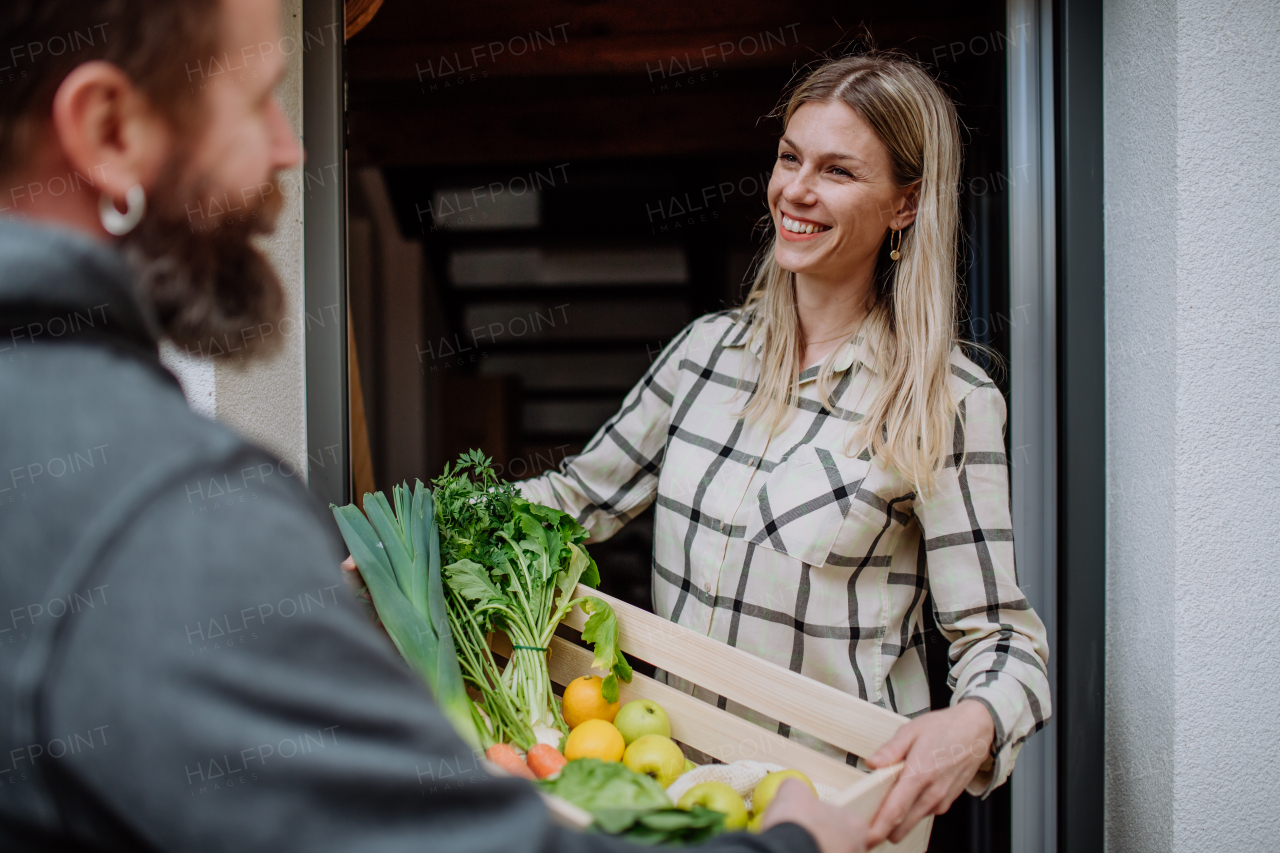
[{"x": 398, "y": 554}]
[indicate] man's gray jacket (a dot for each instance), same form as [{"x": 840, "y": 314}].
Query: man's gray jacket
[{"x": 180, "y": 665}]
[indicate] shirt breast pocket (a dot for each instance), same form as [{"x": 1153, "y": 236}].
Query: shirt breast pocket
[{"x": 801, "y": 509}]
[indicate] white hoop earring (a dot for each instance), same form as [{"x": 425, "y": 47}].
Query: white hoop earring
[{"x": 118, "y": 223}]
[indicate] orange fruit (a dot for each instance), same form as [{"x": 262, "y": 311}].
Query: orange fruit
[
  {"x": 584, "y": 700},
  {"x": 595, "y": 739}
]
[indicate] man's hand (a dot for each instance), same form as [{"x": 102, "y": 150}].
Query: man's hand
[
  {"x": 835, "y": 830},
  {"x": 351, "y": 574},
  {"x": 943, "y": 750}
]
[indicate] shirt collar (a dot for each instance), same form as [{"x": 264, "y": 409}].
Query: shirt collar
[{"x": 857, "y": 350}]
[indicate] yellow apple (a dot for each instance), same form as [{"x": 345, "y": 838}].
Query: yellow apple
[
  {"x": 656, "y": 756},
  {"x": 642, "y": 717},
  {"x": 689, "y": 765},
  {"x": 719, "y": 797},
  {"x": 768, "y": 787}
]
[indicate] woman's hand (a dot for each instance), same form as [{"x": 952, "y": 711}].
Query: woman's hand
[{"x": 943, "y": 750}]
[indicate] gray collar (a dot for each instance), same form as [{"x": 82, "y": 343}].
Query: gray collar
[{"x": 57, "y": 285}]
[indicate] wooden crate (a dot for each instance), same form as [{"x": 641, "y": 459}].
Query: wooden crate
[{"x": 823, "y": 711}]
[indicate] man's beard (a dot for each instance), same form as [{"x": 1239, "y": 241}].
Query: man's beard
[{"x": 210, "y": 290}]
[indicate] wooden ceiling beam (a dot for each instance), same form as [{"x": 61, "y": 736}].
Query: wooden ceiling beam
[
  {"x": 563, "y": 127},
  {"x": 549, "y": 53},
  {"x": 480, "y": 20},
  {"x": 558, "y": 50}
]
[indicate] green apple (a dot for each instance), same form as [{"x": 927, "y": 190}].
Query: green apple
[
  {"x": 642, "y": 717},
  {"x": 768, "y": 787},
  {"x": 656, "y": 756},
  {"x": 719, "y": 797},
  {"x": 689, "y": 765}
]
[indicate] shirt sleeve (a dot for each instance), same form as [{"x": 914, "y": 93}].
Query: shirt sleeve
[
  {"x": 229, "y": 694},
  {"x": 616, "y": 477},
  {"x": 999, "y": 653}
]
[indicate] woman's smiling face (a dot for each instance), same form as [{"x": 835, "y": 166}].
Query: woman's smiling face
[{"x": 833, "y": 194}]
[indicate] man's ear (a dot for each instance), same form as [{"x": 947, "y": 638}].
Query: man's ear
[
  {"x": 108, "y": 129},
  {"x": 905, "y": 213}
]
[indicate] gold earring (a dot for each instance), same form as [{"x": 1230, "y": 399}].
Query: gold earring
[{"x": 893, "y": 250}]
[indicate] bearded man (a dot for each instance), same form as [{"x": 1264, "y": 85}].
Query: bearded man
[{"x": 175, "y": 678}]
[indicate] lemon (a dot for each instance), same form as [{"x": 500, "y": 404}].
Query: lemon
[
  {"x": 595, "y": 739},
  {"x": 584, "y": 700}
]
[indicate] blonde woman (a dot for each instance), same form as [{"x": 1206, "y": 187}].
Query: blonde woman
[{"x": 825, "y": 460}]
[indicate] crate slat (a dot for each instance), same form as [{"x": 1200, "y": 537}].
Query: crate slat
[
  {"x": 705, "y": 727},
  {"x": 819, "y": 709}
]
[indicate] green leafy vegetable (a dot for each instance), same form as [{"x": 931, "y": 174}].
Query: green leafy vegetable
[
  {"x": 670, "y": 827},
  {"x": 631, "y": 804},
  {"x": 512, "y": 566},
  {"x": 398, "y": 557},
  {"x": 597, "y": 785},
  {"x": 508, "y": 565},
  {"x": 602, "y": 630}
]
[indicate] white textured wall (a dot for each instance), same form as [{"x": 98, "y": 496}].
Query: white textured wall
[
  {"x": 1192, "y": 100},
  {"x": 265, "y": 398},
  {"x": 198, "y": 377},
  {"x": 1141, "y": 292}
]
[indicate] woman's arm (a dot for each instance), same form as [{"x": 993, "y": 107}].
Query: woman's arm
[
  {"x": 616, "y": 477},
  {"x": 999, "y": 653}
]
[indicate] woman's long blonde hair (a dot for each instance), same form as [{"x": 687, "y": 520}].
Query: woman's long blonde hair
[{"x": 912, "y": 325}]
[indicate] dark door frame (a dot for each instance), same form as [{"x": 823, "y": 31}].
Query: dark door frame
[
  {"x": 1082, "y": 520},
  {"x": 1057, "y": 405},
  {"x": 324, "y": 229}
]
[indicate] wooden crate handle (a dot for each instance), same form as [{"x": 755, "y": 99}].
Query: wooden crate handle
[
  {"x": 826, "y": 712},
  {"x": 864, "y": 796}
]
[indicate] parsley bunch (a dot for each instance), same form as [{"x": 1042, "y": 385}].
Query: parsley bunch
[{"x": 512, "y": 566}]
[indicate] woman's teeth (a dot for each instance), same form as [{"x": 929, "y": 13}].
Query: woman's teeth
[{"x": 802, "y": 227}]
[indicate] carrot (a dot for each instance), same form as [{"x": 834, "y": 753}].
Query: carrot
[
  {"x": 505, "y": 756},
  {"x": 545, "y": 760}
]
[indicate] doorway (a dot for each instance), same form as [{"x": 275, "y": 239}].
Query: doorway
[{"x": 541, "y": 196}]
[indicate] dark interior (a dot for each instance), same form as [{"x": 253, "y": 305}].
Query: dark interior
[{"x": 543, "y": 195}]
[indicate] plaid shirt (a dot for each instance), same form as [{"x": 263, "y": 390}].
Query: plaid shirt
[{"x": 791, "y": 549}]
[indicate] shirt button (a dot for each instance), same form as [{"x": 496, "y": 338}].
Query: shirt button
[
  {"x": 722, "y": 526},
  {"x": 707, "y": 586}
]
